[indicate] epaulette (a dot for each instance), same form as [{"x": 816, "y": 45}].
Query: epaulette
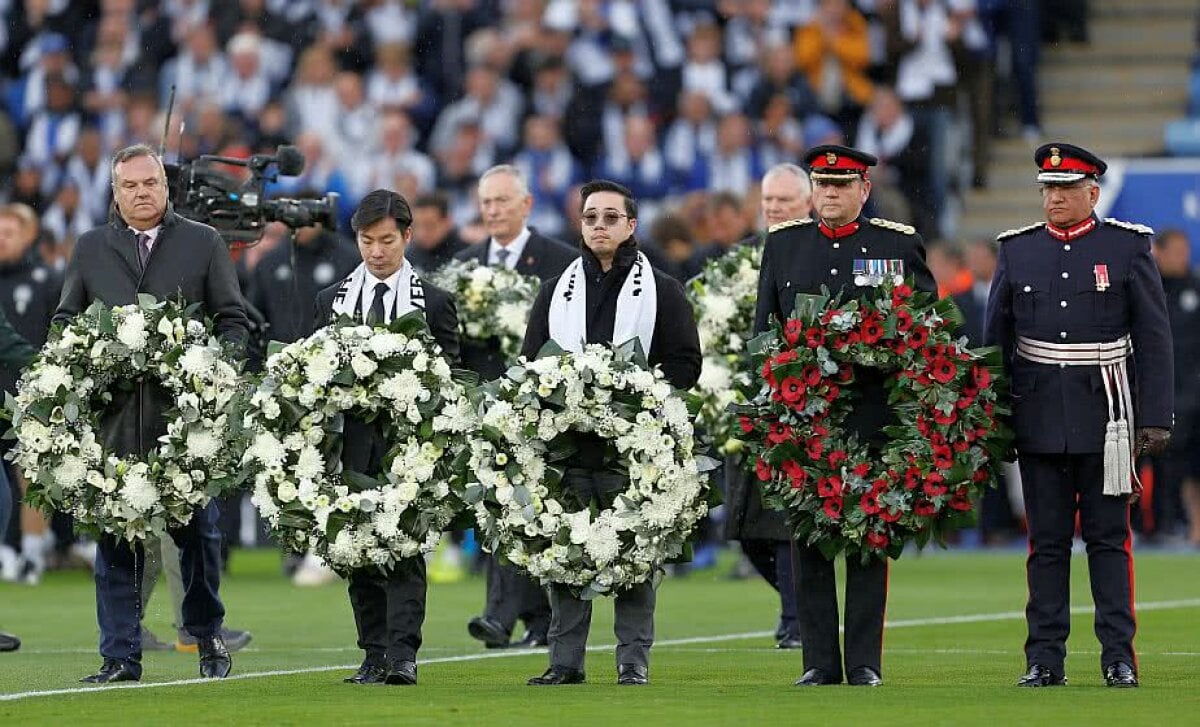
[
  {"x": 890, "y": 225},
  {"x": 1131, "y": 226},
  {"x": 1019, "y": 231},
  {"x": 789, "y": 223}
]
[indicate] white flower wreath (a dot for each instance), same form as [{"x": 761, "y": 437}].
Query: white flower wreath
[
  {"x": 529, "y": 418},
  {"x": 491, "y": 302},
  {"x": 62, "y": 394},
  {"x": 394, "y": 375}
]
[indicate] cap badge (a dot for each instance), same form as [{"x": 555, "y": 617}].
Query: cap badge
[
  {"x": 830, "y": 158},
  {"x": 1055, "y": 159}
]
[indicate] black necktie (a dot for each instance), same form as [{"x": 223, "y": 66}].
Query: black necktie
[
  {"x": 143, "y": 243},
  {"x": 376, "y": 316},
  {"x": 502, "y": 256}
]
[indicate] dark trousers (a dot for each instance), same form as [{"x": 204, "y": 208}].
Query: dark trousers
[
  {"x": 571, "y": 617},
  {"x": 775, "y": 561},
  {"x": 389, "y": 610},
  {"x": 1057, "y": 487},
  {"x": 512, "y": 595},
  {"x": 817, "y": 607},
  {"x": 118, "y": 572}
]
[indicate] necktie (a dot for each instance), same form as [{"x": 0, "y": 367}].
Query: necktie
[
  {"x": 143, "y": 242},
  {"x": 502, "y": 256},
  {"x": 375, "y": 316}
]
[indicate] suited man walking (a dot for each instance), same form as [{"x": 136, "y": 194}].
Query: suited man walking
[
  {"x": 389, "y": 608},
  {"x": 147, "y": 248},
  {"x": 504, "y": 204}
]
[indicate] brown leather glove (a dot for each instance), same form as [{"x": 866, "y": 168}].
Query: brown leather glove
[{"x": 1151, "y": 440}]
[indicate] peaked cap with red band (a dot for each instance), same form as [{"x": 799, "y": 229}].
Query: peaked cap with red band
[
  {"x": 833, "y": 163},
  {"x": 1060, "y": 163}
]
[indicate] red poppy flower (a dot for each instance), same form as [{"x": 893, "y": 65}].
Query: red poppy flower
[
  {"x": 792, "y": 389},
  {"x": 879, "y": 485},
  {"x": 812, "y": 375},
  {"x": 785, "y": 357},
  {"x": 923, "y": 425},
  {"x": 982, "y": 376},
  {"x": 861, "y": 469},
  {"x": 964, "y": 402},
  {"x": 746, "y": 423},
  {"x": 836, "y": 457},
  {"x": 912, "y": 478},
  {"x": 980, "y": 476},
  {"x": 904, "y": 321},
  {"x": 878, "y": 541},
  {"x": 766, "y": 373},
  {"x": 833, "y": 508},
  {"x": 792, "y": 330},
  {"x": 901, "y": 293},
  {"x": 889, "y": 516},
  {"x": 794, "y": 471},
  {"x": 924, "y": 508},
  {"x": 779, "y": 433},
  {"x": 815, "y": 447},
  {"x": 871, "y": 332},
  {"x": 899, "y": 347},
  {"x": 918, "y": 337},
  {"x": 944, "y": 419},
  {"x": 829, "y": 486},
  {"x": 961, "y": 446},
  {"x": 943, "y": 457},
  {"x": 961, "y": 500},
  {"x": 934, "y": 489},
  {"x": 820, "y": 430},
  {"x": 833, "y": 392},
  {"x": 840, "y": 342},
  {"x": 869, "y": 504},
  {"x": 814, "y": 337},
  {"x": 762, "y": 470},
  {"x": 943, "y": 370},
  {"x": 845, "y": 374}
]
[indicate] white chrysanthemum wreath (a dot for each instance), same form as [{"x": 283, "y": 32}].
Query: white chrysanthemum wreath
[
  {"x": 394, "y": 376},
  {"x": 529, "y": 420},
  {"x": 491, "y": 302},
  {"x": 64, "y": 392}
]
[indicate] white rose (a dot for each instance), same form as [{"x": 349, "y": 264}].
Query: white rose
[
  {"x": 286, "y": 492},
  {"x": 363, "y": 366}
]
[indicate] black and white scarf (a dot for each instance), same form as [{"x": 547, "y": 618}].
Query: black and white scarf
[
  {"x": 410, "y": 294},
  {"x": 637, "y": 307}
]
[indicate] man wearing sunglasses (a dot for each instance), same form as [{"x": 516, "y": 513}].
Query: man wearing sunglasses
[
  {"x": 611, "y": 295},
  {"x": 505, "y": 203},
  {"x": 849, "y": 254}
]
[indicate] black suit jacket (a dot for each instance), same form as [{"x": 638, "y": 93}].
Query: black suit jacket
[
  {"x": 544, "y": 257},
  {"x": 363, "y": 448},
  {"x": 188, "y": 260}
]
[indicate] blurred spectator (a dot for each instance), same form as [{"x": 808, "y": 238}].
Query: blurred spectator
[
  {"x": 356, "y": 126},
  {"x": 736, "y": 164},
  {"x": 198, "y": 72},
  {"x": 89, "y": 169},
  {"x": 435, "y": 239},
  {"x": 833, "y": 49},
  {"x": 395, "y": 153},
  {"x": 690, "y": 138},
  {"x": 67, "y": 218},
  {"x": 551, "y": 170},
  {"x": 596, "y": 117},
  {"x": 781, "y": 76},
  {"x": 103, "y": 85},
  {"x": 901, "y": 186},
  {"x": 552, "y": 88},
  {"x": 27, "y": 186},
  {"x": 749, "y": 29},
  {"x": 704, "y": 72},
  {"x": 54, "y": 131},
  {"x": 975, "y": 83},
  {"x": 442, "y": 30},
  {"x": 28, "y": 95},
  {"x": 312, "y": 101},
  {"x": 392, "y": 84},
  {"x": 670, "y": 233},
  {"x": 491, "y": 102},
  {"x": 639, "y": 165},
  {"x": 248, "y": 88},
  {"x": 726, "y": 227},
  {"x": 1020, "y": 21},
  {"x": 949, "y": 267},
  {"x": 1069, "y": 20},
  {"x": 780, "y": 133}
]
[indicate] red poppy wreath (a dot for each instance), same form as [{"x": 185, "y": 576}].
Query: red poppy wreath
[{"x": 839, "y": 493}]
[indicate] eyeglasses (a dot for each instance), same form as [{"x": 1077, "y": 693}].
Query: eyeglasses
[{"x": 592, "y": 219}]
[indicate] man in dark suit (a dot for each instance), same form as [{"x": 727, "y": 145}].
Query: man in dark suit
[
  {"x": 505, "y": 203},
  {"x": 847, "y": 253},
  {"x": 1078, "y": 309},
  {"x": 147, "y": 248},
  {"x": 435, "y": 239},
  {"x": 612, "y": 273},
  {"x": 389, "y": 608}
]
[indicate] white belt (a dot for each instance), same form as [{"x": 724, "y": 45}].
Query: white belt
[{"x": 1111, "y": 357}]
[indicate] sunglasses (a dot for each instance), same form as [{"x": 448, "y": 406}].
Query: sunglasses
[{"x": 608, "y": 219}]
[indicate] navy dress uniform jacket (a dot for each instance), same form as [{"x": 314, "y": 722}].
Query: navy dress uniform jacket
[{"x": 1048, "y": 290}]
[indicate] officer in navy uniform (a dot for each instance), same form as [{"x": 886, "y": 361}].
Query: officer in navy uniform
[
  {"x": 1077, "y": 307},
  {"x": 845, "y": 252}
]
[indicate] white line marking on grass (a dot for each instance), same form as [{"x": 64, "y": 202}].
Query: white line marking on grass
[{"x": 906, "y": 623}]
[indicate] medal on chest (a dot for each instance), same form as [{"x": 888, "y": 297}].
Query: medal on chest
[
  {"x": 873, "y": 272},
  {"x": 1101, "y": 272}
]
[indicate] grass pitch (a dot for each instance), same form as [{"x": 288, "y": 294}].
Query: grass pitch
[{"x": 952, "y": 653}]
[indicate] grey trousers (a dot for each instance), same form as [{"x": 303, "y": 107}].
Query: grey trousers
[
  {"x": 571, "y": 617},
  {"x": 162, "y": 556}
]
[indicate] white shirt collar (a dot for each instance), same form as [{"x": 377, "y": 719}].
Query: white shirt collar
[
  {"x": 515, "y": 249},
  {"x": 368, "y": 290},
  {"x": 152, "y": 232}
]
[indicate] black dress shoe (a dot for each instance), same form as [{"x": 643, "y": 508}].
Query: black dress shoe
[
  {"x": 789, "y": 642},
  {"x": 214, "y": 658},
  {"x": 864, "y": 676},
  {"x": 371, "y": 672},
  {"x": 114, "y": 671},
  {"x": 558, "y": 675},
  {"x": 489, "y": 631},
  {"x": 1120, "y": 675},
  {"x": 632, "y": 675},
  {"x": 816, "y": 678},
  {"x": 1041, "y": 676},
  {"x": 8, "y": 642},
  {"x": 401, "y": 671},
  {"x": 530, "y": 641}
]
